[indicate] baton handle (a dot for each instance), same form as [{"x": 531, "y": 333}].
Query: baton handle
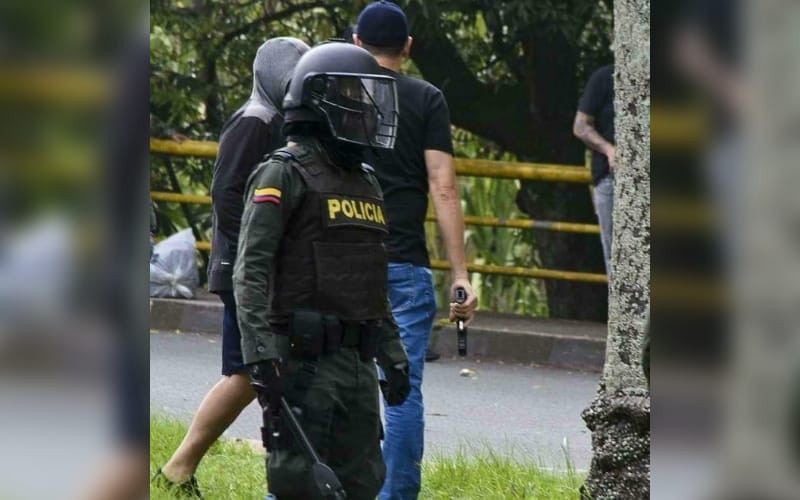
[{"x": 461, "y": 329}]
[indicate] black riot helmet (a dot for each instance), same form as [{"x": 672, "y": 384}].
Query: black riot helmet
[{"x": 339, "y": 85}]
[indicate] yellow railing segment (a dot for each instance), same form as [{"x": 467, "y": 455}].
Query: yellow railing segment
[
  {"x": 55, "y": 84},
  {"x": 683, "y": 127},
  {"x": 568, "y": 227},
  {"x": 204, "y": 149},
  {"x": 180, "y": 198},
  {"x": 525, "y": 272},
  {"x": 464, "y": 166},
  {"x": 523, "y": 171}
]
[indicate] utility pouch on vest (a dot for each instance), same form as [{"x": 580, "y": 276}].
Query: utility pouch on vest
[
  {"x": 306, "y": 334},
  {"x": 368, "y": 342}
]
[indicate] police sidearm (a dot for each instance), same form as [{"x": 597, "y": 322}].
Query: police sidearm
[{"x": 310, "y": 276}]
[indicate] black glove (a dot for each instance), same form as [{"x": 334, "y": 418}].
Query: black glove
[
  {"x": 265, "y": 377},
  {"x": 397, "y": 384}
]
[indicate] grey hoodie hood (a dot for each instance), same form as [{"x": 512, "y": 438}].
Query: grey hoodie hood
[{"x": 272, "y": 69}]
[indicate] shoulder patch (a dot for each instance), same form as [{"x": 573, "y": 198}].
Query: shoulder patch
[{"x": 267, "y": 195}]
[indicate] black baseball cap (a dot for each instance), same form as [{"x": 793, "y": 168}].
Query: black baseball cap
[{"x": 382, "y": 24}]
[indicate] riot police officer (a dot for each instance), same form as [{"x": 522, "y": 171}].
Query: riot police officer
[{"x": 310, "y": 277}]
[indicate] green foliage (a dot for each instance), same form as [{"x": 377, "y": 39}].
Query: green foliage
[
  {"x": 201, "y": 52},
  {"x": 201, "y": 56},
  {"x": 233, "y": 471},
  {"x": 491, "y": 36}
]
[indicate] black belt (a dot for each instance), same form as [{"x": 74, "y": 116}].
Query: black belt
[
  {"x": 342, "y": 333},
  {"x": 338, "y": 333}
]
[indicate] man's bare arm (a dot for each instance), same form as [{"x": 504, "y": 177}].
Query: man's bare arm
[
  {"x": 583, "y": 128},
  {"x": 695, "y": 58},
  {"x": 447, "y": 203}
]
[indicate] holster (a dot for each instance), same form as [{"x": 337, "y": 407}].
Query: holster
[
  {"x": 333, "y": 333},
  {"x": 270, "y": 426},
  {"x": 306, "y": 334}
]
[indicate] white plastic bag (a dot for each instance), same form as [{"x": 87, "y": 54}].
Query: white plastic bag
[{"x": 173, "y": 266}]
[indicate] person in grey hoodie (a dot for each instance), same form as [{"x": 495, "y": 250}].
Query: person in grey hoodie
[{"x": 252, "y": 132}]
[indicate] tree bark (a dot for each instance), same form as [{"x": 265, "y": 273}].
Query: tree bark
[{"x": 619, "y": 417}]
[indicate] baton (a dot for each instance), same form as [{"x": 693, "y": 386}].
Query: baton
[
  {"x": 461, "y": 297},
  {"x": 324, "y": 480}
]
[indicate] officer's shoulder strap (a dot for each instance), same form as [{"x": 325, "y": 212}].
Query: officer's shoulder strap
[
  {"x": 297, "y": 156},
  {"x": 304, "y": 158},
  {"x": 280, "y": 155},
  {"x": 300, "y": 152}
]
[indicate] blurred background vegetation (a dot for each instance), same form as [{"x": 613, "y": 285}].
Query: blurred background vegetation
[{"x": 512, "y": 72}]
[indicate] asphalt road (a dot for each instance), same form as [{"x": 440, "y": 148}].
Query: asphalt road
[{"x": 508, "y": 408}]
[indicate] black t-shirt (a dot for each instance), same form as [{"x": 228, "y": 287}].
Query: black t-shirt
[
  {"x": 598, "y": 101},
  {"x": 424, "y": 123}
]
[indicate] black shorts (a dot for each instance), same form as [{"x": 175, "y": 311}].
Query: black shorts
[{"x": 232, "y": 361}]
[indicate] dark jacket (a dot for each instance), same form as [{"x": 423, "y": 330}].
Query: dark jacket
[{"x": 252, "y": 132}]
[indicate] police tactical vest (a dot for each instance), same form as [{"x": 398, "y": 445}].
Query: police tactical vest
[{"x": 332, "y": 258}]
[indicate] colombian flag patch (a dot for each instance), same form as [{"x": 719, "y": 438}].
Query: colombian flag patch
[{"x": 267, "y": 195}]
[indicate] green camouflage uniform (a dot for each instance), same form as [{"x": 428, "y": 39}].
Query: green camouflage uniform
[{"x": 339, "y": 403}]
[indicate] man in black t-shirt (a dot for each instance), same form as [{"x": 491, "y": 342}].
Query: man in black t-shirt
[
  {"x": 594, "y": 125},
  {"x": 421, "y": 162}
]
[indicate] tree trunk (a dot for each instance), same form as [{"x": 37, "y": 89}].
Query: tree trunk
[
  {"x": 619, "y": 417},
  {"x": 214, "y": 116}
]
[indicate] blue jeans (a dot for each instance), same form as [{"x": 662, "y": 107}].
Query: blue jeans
[
  {"x": 604, "y": 207},
  {"x": 414, "y": 307}
]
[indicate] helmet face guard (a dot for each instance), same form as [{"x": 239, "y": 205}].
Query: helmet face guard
[{"x": 359, "y": 108}]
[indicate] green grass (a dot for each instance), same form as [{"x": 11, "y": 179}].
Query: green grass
[
  {"x": 483, "y": 474},
  {"x": 236, "y": 471},
  {"x": 229, "y": 470}
]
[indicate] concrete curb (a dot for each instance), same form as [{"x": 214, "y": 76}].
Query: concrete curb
[
  {"x": 197, "y": 316},
  {"x": 576, "y": 345}
]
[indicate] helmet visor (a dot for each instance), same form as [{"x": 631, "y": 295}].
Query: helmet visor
[{"x": 361, "y": 109}]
